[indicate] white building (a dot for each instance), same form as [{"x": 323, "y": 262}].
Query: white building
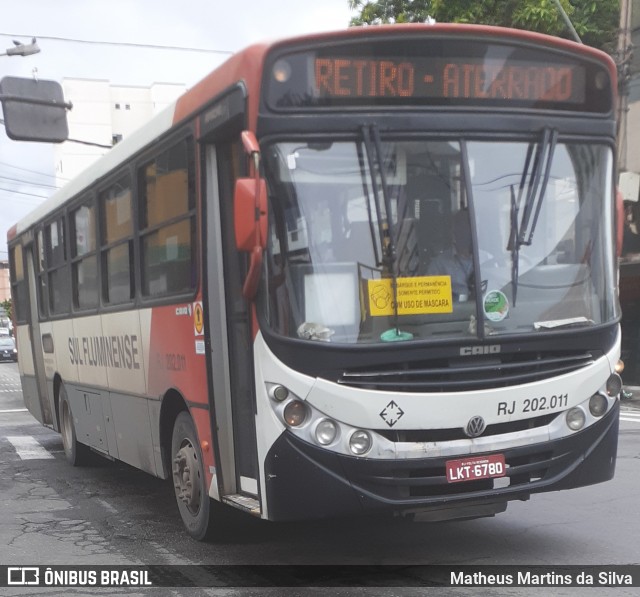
[
  {"x": 5, "y": 282},
  {"x": 628, "y": 58},
  {"x": 104, "y": 114}
]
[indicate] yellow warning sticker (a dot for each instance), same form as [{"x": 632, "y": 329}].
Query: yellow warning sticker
[
  {"x": 198, "y": 318},
  {"x": 416, "y": 296}
]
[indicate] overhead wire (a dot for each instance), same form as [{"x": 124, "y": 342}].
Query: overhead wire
[
  {"x": 28, "y": 182},
  {"x": 120, "y": 43},
  {"x": 13, "y": 191},
  {"x": 40, "y": 173}
]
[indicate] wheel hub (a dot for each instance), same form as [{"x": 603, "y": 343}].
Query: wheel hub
[{"x": 186, "y": 477}]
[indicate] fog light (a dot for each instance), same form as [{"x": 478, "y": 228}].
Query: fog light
[
  {"x": 575, "y": 419},
  {"x": 326, "y": 432},
  {"x": 614, "y": 385},
  {"x": 619, "y": 368},
  {"x": 295, "y": 413},
  {"x": 279, "y": 393},
  {"x": 360, "y": 442},
  {"x": 598, "y": 405}
]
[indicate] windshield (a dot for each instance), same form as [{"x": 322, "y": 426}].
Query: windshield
[{"x": 382, "y": 240}]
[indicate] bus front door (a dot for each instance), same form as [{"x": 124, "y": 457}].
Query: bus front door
[
  {"x": 35, "y": 389},
  {"x": 227, "y": 318}
]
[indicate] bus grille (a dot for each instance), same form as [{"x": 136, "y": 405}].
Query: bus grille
[
  {"x": 452, "y": 434},
  {"x": 470, "y": 373},
  {"x": 406, "y": 482}
]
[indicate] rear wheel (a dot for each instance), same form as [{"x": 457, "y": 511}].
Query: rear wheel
[
  {"x": 189, "y": 483},
  {"x": 77, "y": 454}
]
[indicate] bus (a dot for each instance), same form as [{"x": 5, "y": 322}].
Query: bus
[{"x": 370, "y": 271}]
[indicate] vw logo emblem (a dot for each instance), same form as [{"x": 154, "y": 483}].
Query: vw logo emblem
[{"x": 475, "y": 427}]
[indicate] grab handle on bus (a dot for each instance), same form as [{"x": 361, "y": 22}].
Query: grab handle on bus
[
  {"x": 250, "y": 216},
  {"x": 620, "y": 221}
]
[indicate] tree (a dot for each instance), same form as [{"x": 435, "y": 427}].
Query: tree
[
  {"x": 7, "y": 306},
  {"x": 596, "y": 21}
]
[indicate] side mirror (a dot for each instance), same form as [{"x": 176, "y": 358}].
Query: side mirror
[
  {"x": 250, "y": 213},
  {"x": 250, "y": 216},
  {"x": 34, "y": 110}
]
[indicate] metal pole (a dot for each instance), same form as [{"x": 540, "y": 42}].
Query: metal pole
[
  {"x": 567, "y": 21},
  {"x": 623, "y": 58},
  {"x": 32, "y": 100}
]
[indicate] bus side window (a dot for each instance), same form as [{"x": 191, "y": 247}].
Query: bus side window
[
  {"x": 41, "y": 273},
  {"x": 167, "y": 222},
  {"x": 117, "y": 242},
  {"x": 84, "y": 258},
  {"x": 57, "y": 276},
  {"x": 18, "y": 283}
]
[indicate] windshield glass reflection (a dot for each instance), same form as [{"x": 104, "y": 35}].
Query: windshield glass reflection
[{"x": 414, "y": 240}]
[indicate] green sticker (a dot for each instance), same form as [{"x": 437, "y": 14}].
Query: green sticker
[{"x": 496, "y": 305}]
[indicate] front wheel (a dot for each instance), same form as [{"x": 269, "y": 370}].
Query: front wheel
[
  {"x": 189, "y": 483},
  {"x": 77, "y": 454}
]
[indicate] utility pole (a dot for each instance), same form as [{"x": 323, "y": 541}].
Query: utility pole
[{"x": 623, "y": 60}]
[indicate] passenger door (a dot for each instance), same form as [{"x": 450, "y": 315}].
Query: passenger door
[
  {"x": 227, "y": 319},
  {"x": 35, "y": 387}
]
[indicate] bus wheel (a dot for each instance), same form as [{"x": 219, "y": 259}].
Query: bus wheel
[
  {"x": 188, "y": 478},
  {"x": 77, "y": 454}
]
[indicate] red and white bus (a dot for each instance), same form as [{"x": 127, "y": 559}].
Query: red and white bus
[{"x": 369, "y": 271}]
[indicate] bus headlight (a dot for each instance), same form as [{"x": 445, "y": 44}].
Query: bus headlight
[
  {"x": 300, "y": 417},
  {"x": 295, "y": 413},
  {"x": 282, "y": 71},
  {"x": 598, "y": 405},
  {"x": 614, "y": 385},
  {"x": 326, "y": 432},
  {"x": 360, "y": 442},
  {"x": 575, "y": 418}
]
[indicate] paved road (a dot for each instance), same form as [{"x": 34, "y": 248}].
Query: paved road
[{"x": 113, "y": 514}]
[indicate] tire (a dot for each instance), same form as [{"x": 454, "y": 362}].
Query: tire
[
  {"x": 188, "y": 477},
  {"x": 77, "y": 454}
]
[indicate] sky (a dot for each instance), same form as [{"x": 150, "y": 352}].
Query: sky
[{"x": 27, "y": 168}]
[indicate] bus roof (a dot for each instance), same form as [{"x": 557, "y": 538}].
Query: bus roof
[{"x": 246, "y": 66}]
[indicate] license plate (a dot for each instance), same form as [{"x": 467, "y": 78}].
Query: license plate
[{"x": 480, "y": 467}]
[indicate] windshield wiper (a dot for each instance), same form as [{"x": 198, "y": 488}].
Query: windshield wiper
[
  {"x": 373, "y": 148},
  {"x": 537, "y": 188},
  {"x": 376, "y": 200},
  {"x": 522, "y": 230}
]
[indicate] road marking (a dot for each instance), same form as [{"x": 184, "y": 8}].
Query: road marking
[
  {"x": 631, "y": 419},
  {"x": 107, "y": 506},
  {"x": 13, "y": 410},
  {"x": 632, "y": 415},
  {"x": 28, "y": 448},
  {"x": 173, "y": 558}
]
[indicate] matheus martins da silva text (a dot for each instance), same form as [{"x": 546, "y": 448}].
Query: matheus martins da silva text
[{"x": 547, "y": 579}]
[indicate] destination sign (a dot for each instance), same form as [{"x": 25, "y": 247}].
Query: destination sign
[
  {"x": 441, "y": 78},
  {"x": 437, "y": 72}
]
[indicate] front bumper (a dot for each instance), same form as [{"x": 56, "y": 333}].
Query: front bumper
[{"x": 305, "y": 481}]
